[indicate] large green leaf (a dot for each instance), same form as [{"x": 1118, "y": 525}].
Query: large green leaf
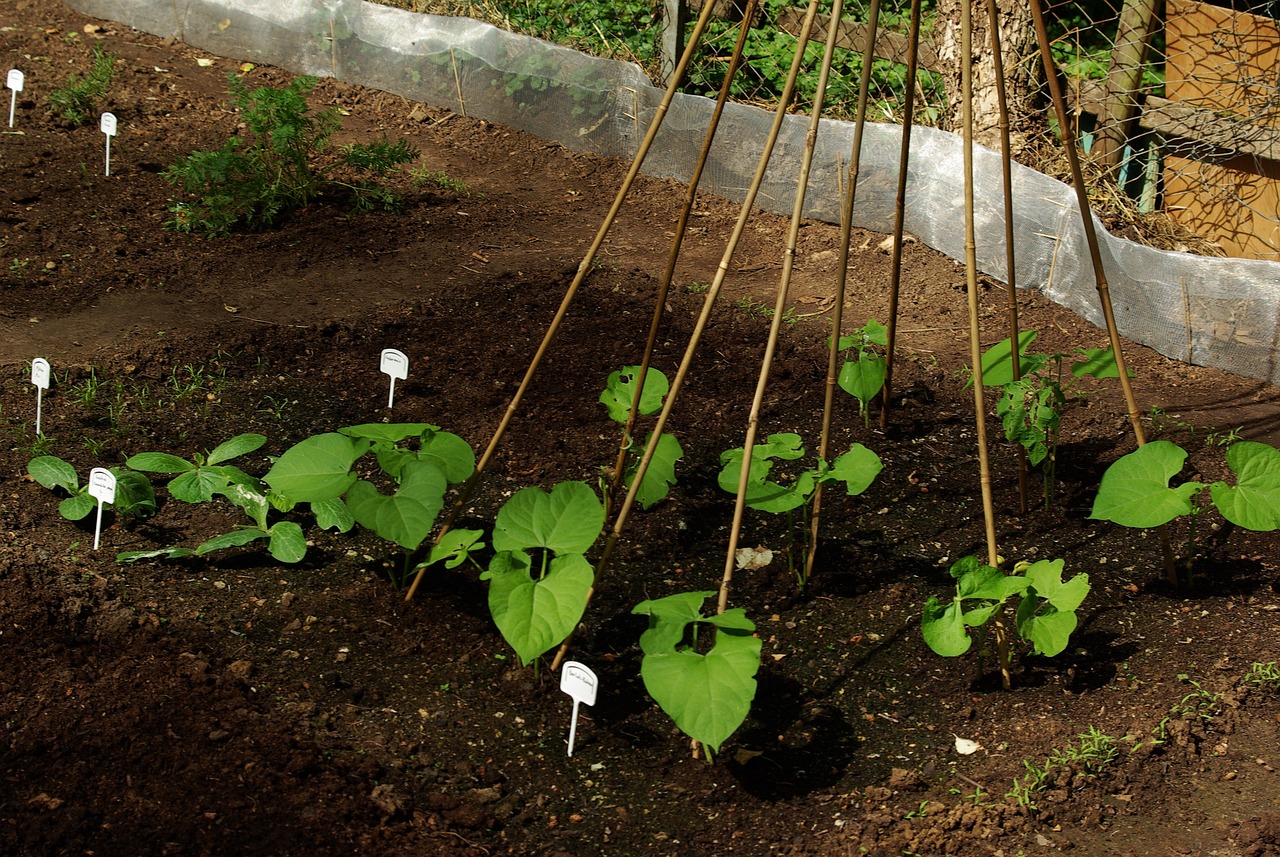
[
  {"x": 620, "y": 392},
  {"x": 52, "y": 472},
  {"x": 997, "y": 361},
  {"x": 454, "y": 455},
  {"x": 287, "y": 542},
  {"x": 198, "y": 485},
  {"x": 237, "y": 537},
  {"x": 1046, "y": 580},
  {"x": 661, "y": 473},
  {"x": 863, "y": 378},
  {"x": 241, "y": 444},
  {"x": 317, "y": 468},
  {"x": 1135, "y": 489},
  {"x": 1254, "y": 501},
  {"x": 77, "y": 506},
  {"x": 534, "y": 615},
  {"x": 708, "y": 696},
  {"x": 158, "y": 462},
  {"x": 857, "y": 469},
  {"x": 566, "y": 520},
  {"x": 407, "y": 516},
  {"x": 943, "y": 627}
]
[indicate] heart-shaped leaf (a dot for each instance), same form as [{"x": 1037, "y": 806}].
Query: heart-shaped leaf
[
  {"x": 661, "y": 473},
  {"x": 1135, "y": 489},
  {"x": 535, "y": 615},
  {"x": 1254, "y": 501},
  {"x": 407, "y": 516},
  {"x": 317, "y": 468},
  {"x": 566, "y": 520},
  {"x": 620, "y": 392}
]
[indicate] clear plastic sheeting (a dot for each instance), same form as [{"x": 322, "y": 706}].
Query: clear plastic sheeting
[{"x": 1212, "y": 312}]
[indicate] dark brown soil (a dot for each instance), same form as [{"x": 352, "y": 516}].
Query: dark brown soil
[{"x": 236, "y": 705}]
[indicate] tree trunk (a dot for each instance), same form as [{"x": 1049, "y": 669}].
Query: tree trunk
[{"x": 1018, "y": 52}]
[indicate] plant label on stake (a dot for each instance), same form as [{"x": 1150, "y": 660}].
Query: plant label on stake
[
  {"x": 579, "y": 682},
  {"x": 40, "y": 378},
  {"x": 102, "y": 487},
  {"x": 14, "y": 82},
  {"x": 395, "y": 364},
  {"x": 108, "y": 127}
]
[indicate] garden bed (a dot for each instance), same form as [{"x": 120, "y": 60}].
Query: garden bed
[{"x": 233, "y": 704}]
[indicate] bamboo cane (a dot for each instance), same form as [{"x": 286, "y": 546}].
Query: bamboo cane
[
  {"x": 1011, "y": 277},
  {"x": 975, "y": 336},
  {"x": 899, "y": 213},
  {"x": 682, "y": 224},
  {"x": 1095, "y": 258},
  {"x": 842, "y": 276},
  {"x": 468, "y": 488},
  {"x": 708, "y": 302},
  {"x": 784, "y": 288}
]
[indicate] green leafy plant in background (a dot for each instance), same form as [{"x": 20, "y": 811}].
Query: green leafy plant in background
[
  {"x": 1031, "y": 407},
  {"x": 857, "y": 469},
  {"x": 199, "y": 479},
  {"x": 618, "y": 396},
  {"x": 1136, "y": 490},
  {"x": 75, "y": 102},
  {"x": 134, "y": 495},
  {"x": 865, "y": 366},
  {"x": 253, "y": 182},
  {"x": 1045, "y": 617},
  {"x": 705, "y": 685},
  {"x": 1089, "y": 756},
  {"x": 539, "y": 577},
  {"x": 318, "y": 471}
]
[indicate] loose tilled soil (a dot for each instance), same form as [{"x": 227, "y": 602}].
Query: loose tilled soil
[{"x": 236, "y": 705}]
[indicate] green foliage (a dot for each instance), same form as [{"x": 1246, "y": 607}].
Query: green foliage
[
  {"x": 618, "y": 396},
  {"x": 708, "y": 695},
  {"x": 75, "y": 101},
  {"x": 318, "y": 471},
  {"x": 1092, "y": 753},
  {"x": 253, "y": 182},
  {"x": 536, "y": 609},
  {"x": 199, "y": 479},
  {"x": 865, "y": 367},
  {"x": 1264, "y": 675},
  {"x": 857, "y": 469},
  {"x": 1135, "y": 490},
  {"x": 1031, "y": 407},
  {"x": 134, "y": 495},
  {"x": 1046, "y": 614}
]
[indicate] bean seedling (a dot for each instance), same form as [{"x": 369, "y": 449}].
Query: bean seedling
[
  {"x": 707, "y": 693},
  {"x": 618, "y": 397},
  {"x": 863, "y": 372},
  {"x": 1046, "y": 614},
  {"x": 134, "y": 495}
]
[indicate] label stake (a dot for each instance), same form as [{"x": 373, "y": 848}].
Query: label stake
[
  {"x": 102, "y": 487},
  {"x": 108, "y": 126},
  {"x": 39, "y": 377},
  {"x": 580, "y": 683},
  {"x": 14, "y": 82},
  {"x": 395, "y": 364}
]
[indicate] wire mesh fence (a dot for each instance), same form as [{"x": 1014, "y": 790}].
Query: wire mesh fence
[{"x": 1176, "y": 102}]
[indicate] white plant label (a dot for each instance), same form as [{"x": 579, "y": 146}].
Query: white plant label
[
  {"x": 14, "y": 82},
  {"x": 40, "y": 378},
  {"x": 580, "y": 683},
  {"x": 108, "y": 126},
  {"x": 395, "y": 364},
  {"x": 102, "y": 487}
]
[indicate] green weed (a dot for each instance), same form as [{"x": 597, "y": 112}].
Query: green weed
[{"x": 74, "y": 102}]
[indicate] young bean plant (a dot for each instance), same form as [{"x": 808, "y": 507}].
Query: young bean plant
[
  {"x": 1031, "y": 407},
  {"x": 618, "y": 397},
  {"x": 865, "y": 367},
  {"x": 134, "y": 495},
  {"x": 1136, "y": 490},
  {"x": 1045, "y": 617},
  {"x": 857, "y": 469}
]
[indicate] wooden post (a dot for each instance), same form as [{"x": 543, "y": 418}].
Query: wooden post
[
  {"x": 675, "y": 15},
  {"x": 1124, "y": 78}
]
